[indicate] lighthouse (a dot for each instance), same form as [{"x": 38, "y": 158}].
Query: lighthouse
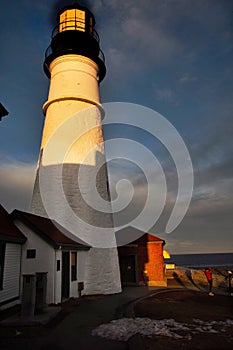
[{"x": 72, "y": 168}]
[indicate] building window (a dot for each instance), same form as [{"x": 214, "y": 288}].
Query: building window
[
  {"x": 58, "y": 265},
  {"x": 31, "y": 253},
  {"x": 73, "y": 266},
  {"x": 2, "y": 259}
]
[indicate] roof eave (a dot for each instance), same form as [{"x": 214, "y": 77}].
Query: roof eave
[
  {"x": 56, "y": 245},
  {"x": 71, "y": 247},
  {"x": 12, "y": 239}
]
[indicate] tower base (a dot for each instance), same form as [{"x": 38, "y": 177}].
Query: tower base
[
  {"x": 101, "y": 265},
  {"x": 102, "y": 272}
]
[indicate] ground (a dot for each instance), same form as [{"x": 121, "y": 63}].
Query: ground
[
  {"x": 185, "y": 303},
  {"x": 185, "y": 306}
]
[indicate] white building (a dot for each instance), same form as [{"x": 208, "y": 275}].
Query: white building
[
  {"x": 49, "y": 251},
  {"x": 11, "y": 241}
]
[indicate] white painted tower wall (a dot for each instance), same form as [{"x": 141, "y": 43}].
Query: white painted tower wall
[{"x": 74, "y": 88}]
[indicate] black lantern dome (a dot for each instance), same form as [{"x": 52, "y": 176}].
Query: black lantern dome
[{"x": 75, "y": 34}]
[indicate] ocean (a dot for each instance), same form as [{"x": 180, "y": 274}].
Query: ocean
[{"x": 199, "y": 261}]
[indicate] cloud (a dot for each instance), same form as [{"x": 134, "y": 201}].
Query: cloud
[
  {"x": 212, "y": 150},
  {"x": 210, "y": 212},
  {"x": 155, "y": 33},
  {"x": 186, "y": 246},
  {"x": 143, "y": 36},
  {"x": 167, "y": 95},
  {"x": 16, "y": 183},
  {"x": 133, "y": 40},
  {"x": 187, "y": 78}
]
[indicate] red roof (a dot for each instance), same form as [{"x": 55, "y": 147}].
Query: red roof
[
  {"x": 48, "y": 230},
  {"x": 132, "y": 235},
  {"x": 8, "y": 230},
  {"x": 147, "y": 237}
]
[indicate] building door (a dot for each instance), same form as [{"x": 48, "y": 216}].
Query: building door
[
  {"x": 128, "y": 268},
  {"x": 65, "y": 289}
]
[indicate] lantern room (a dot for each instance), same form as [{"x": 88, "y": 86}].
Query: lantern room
[
  {"x": 76, "y": 19},
  {"x": 75, "y": 34}
]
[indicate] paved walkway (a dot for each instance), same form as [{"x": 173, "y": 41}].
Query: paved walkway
[
  {"x": 72, "y": 328},
  {"x": 73, "y": 332}
]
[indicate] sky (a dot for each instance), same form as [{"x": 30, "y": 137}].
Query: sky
[{"x": 172, "y": 56}]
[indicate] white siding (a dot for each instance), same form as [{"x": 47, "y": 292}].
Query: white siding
[
  {"x": 44, "y": 261},
  {"x": 11, "y": 277},
  {"x": 57, "y": 277}
]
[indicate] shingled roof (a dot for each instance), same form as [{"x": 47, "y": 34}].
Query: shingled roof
[
  {"x": 148, "y": 237},
  {"x": 132, "y": 235},
  {"x": 49, "y": 231},
  {"x": 8, "y": 231}
]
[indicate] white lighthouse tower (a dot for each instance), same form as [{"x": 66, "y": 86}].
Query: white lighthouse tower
[{"x": 75, "y": 65}]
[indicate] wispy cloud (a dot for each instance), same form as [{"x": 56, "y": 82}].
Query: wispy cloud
[
  {"x": 16, "y": 183},
  {"x": 167, "y": 95},
  {"x": 187, "y": 78}
]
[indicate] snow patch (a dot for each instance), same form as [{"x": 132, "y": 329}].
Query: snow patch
[{"x": 122, "y": 329}]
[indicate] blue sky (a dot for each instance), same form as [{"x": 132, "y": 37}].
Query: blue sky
[{"x": 174, "y": 56}]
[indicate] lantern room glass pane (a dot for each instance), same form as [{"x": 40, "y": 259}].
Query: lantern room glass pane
[{"x": 73, "y": 19}]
